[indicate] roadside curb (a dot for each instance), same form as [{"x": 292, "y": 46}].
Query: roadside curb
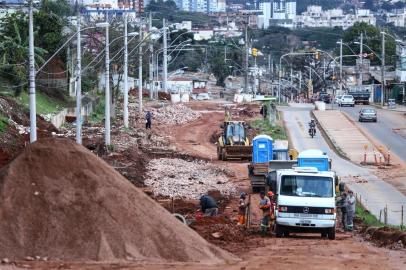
[
  {"x": 330, "y": 141},
  {"x": 386, "y": 109}
]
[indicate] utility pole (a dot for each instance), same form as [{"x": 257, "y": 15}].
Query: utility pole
[
  {"x": 341, "y": 66},
  {"x": 291, "y": 84},
  {"x": 361, "y": 55},
  {"x": 125, "y": 114},
  {"x": 383, "y": 70},
  {"x": 165, "y": 60},
  {"x": 78, "y": 83},
  {"x": 107, "y": 98},
  {"x": 246, "y": 59},
  {"x": 33, "y": 112},
  {"x": 151, "y": 63},
  {"x": 300, "y": 80},
  {"x": 140, "y": 70}
]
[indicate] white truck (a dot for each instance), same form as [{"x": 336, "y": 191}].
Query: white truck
[{"x": 305, "y": 196}]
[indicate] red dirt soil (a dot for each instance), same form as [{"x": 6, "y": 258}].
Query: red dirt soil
[{"x": 58, "y": 200}]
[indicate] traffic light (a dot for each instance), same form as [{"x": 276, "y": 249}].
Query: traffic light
[
  {"x": 317, "y": 55},
  {"x": 254, "y": 52}
]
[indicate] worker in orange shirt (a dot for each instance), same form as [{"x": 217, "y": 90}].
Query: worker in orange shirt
[
  {"x": 242, "y": 208},
  {"x": 265, "y": 206}
]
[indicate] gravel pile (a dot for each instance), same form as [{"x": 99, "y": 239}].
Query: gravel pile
[
  {"x": 177, "y": 114},
  {"x": 187, "y": 179}
]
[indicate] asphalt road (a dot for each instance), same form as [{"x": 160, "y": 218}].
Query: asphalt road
[
  {"x": 383, "y": 130},
  {"x": 375, "y": 193}
]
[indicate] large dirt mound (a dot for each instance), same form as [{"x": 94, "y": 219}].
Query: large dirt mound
[{"x": 59, "y": 200}]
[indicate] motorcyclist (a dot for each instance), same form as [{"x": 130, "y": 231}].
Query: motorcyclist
[{"x": 312, "y": 127}]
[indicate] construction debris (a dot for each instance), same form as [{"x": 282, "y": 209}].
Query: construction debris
[
  {"x": 187, "y": 179},
  {"x": 177, "y": 114},
  {"x": 85, "y": 210}
]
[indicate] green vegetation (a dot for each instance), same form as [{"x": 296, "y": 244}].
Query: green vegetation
[
  {"x": 367, "y": 217},
  {"x": 168, "y": 10},
  {"x": 49, "y": 21},
  {"x": 45, "y": 104},
  {"x": 98, "y": 113},
  {"x": 276, "y": 132},
  {"x": 3, "y": 123}
]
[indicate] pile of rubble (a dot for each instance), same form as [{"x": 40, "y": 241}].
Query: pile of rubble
[
  {"x": 187, "y": 179},
  {"x": 177, "y": 114}
]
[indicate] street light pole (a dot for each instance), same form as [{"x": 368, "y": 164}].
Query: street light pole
[
  {"x": 341, "y": 66},
  {"x": 33, "y": 113},
  {"x": 140, "y": 72},
  {"x": 246, "y": 60},
  {"x": 107, "y": 90},
  {"x": 361, "y": 60},
  {"x": 125, "y": 111},
  {"x": 383, "y": 70},
  {"x": 165, "y": 60},
  {"x": 78, "y": 84},
  {"x": 151, "y": 61}
]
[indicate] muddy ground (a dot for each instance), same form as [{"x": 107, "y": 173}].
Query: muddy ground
[{"x": 194, "y": 141}]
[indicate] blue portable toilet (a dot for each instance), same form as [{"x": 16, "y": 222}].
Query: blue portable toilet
[
  {"x": 262, "y": 149},
  {"x": 313, "y": 158}
]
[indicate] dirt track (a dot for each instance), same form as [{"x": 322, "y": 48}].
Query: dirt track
[{"x": 297, "y": 252}]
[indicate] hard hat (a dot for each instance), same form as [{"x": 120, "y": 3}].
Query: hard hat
[{"x": 270, "y": 193}]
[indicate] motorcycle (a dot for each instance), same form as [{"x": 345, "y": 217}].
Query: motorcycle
[{"x": 312, "y": 129}]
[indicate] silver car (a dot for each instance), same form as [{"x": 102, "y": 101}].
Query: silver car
[{"x": 367, "y": 114}]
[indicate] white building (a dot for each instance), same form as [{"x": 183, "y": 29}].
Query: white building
[
  {"x": 315, "y": 16},
  {"x": 283, "y": 9},
  {"x": 401, "y": 63},
  {"x": 397, "y": 17},
  {"x": 267, "y": 14},
  {"x": 184, "y": 25},
  {"x": 365, "y": 15}
]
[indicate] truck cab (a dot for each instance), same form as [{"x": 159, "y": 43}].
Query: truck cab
[{"x": 305, "y": 197}]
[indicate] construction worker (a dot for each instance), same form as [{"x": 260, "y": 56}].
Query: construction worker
[
  {"x": 265, "y": 206},
  {"x": 209, "y": 206},
  {"x": 242, "y": 208},
  {"x": 342, "y": 204},
  {"x": 148, "y": 120},
  {"x": 351, "y": 202},
  {"x": 272, "y": 207}
]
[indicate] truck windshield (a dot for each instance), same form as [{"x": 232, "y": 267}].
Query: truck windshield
[{"x": 307, "y": 186}]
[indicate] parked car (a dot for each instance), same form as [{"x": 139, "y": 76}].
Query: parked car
[
  {"x": 347, "y": 100},
  {"x": 368, "y": 114},
  {"x": 325, "y": 97},
  {"x": 337, "y": 99}
]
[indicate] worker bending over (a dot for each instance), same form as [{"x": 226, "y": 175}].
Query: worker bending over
[
  {"x": 209, "y": 206},
  {"x": 242, "y": 208}
]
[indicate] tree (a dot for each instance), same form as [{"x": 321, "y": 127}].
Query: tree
[
  {"x": 372, "y": 39},
  {"x": 218, "y": 66},
  {"x": 14, "y": 50}
]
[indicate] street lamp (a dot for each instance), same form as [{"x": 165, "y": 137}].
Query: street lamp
[
  {"x": 31, "y": 57},
  {"x": 383, "y": 63},
  {"x": 107, "y": 89},
  {"x": 126, "y": 35}
]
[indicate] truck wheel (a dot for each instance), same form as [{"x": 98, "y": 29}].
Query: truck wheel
[
  {"x": 286, "y": 233},
  {"x": 278, "y": 231},
  {"x": 332, "y": 233},
  {"x": 323, "y": 235}
]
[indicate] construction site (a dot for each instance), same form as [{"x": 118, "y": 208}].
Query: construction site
[{"x": 133, "y": 204}]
